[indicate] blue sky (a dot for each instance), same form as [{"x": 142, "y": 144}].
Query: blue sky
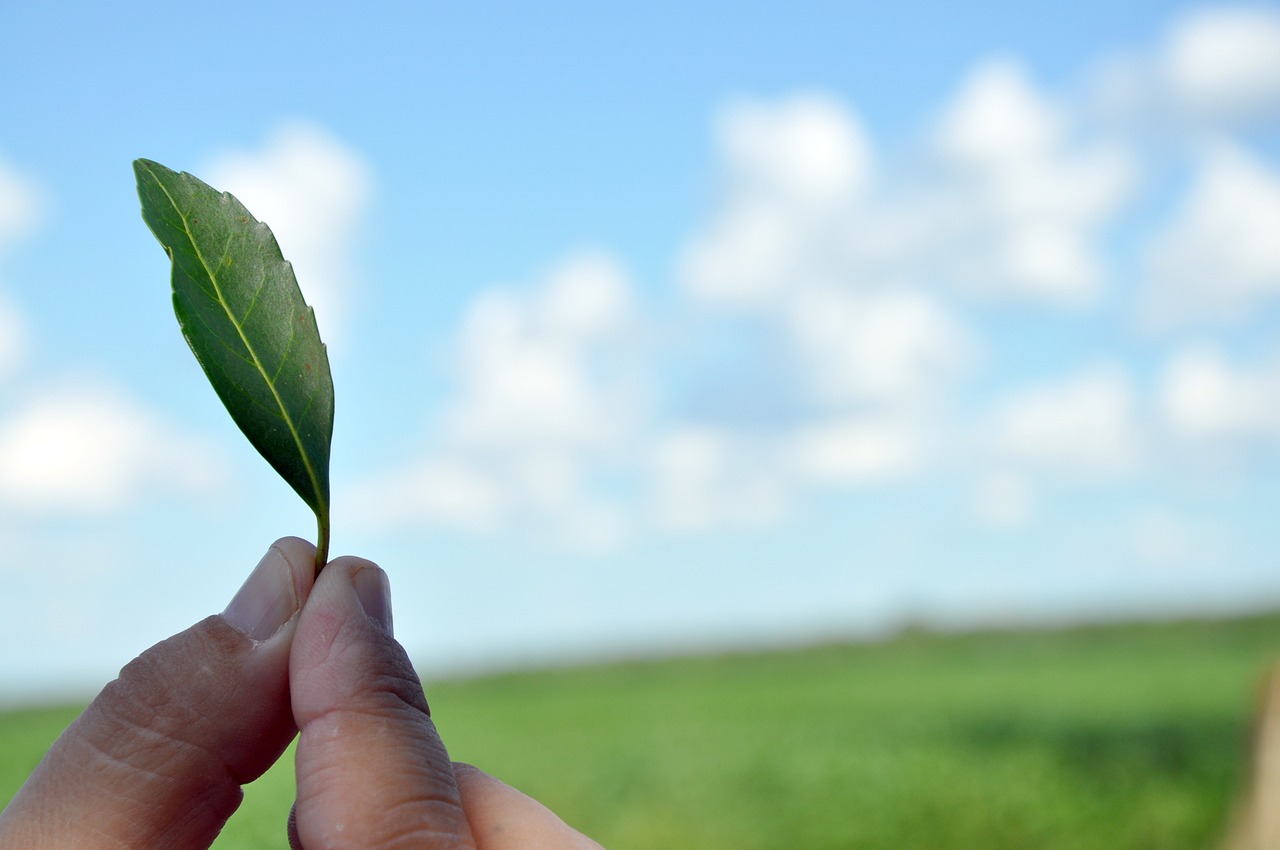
[{"x": 656, "y": 326}]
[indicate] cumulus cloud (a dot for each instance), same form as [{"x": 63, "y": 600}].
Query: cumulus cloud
[
  {"x": 312, "y": 189},
  {"x": 791, "y": 170},
  {"x": 1205, "y": 398},
  {"x": 548, "y": 388},
  {"x": 1218, "y": 257},
  {"x": 787, "y": 243},
  {"x": 91, "y": 450},
  {"x": 867, "y": 281},
  {"x": 857, "y": 282},
  {"x": 806, "y": 150},
  {"x": 1083, "y": 427},
  {"x": 1020, "y": 203},
  {"x": 705, "y": 477},
  {"x": 1224, "y": 64},
  {"x": 857, "y": 450},
  {"x": 997, "y": 117},
  {"x": 1007, "y": 201},
  {"x": 897, "y": 348},
  {"x": 528, "y": 366},
  {"x": 22, "y": 206},
  {"x": 1215, "y": 70}
]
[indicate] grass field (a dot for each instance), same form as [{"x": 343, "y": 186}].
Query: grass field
[{"x": 1106, "y": 737}]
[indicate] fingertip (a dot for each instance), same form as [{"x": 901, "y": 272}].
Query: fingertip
[
  {"x": 350, "y": 563},
  {"x": 504, "y": 818},
  {"x": 275, "y": 590},
  {"x": 369, "y": 582},
  {"x": 344, "y": 633},
  {"x": 369, "y": 760},
  {"x": 373, "y": 589},
  {"x": 301, "y": 556}
]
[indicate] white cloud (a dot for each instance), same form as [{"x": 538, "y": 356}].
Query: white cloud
[
  {"x": 1019, "y": 203},
  {"x": 897, "y": 348},
  {"x": 997, "y": 117},
  {"x": 549, "y": 391},
  {"x": 807, "y": 150},
  {"x": 793, "y": 170},
  {"x": 312, "y": 190},
  {"x": 89, "y": 449},
  {"x": 705, "y": 478},
  {"x": 851, "y": 277},
  {"x": 1223, "y": 64},
  {"x": 747, "y": 257},
  {"x": 820, "y": 265},
  {"x": 1083, "y": 427},
  {"x": 857, "y": 451},
  {"x": 540, "y": 369},
  {"x": 1006, "y": 202},
  {"x": 439, "y": 489},
  {"x": 22, "y": 206},
  {"x": 1219, "y": 257},
  {"x": 1203, "y": 397},
  {"x": 1214, "y": 70}
]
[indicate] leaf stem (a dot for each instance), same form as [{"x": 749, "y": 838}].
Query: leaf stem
[{"x": 322, "y": 540}]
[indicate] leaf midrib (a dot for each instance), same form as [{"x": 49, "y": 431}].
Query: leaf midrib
[{"x": 321, "y": 501}]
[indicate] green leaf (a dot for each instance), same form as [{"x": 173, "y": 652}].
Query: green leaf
[{"x": 245, "y": 319}]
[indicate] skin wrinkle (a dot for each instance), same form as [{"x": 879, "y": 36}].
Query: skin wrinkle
[
  {"x": 176, "y": 751},
  {"x": 142, "y": 701},
  {"x": 140, "y": 726},
  {"x": 395, "y": 679},
  {"x": 316, "y": 744},
  {"x": 139, "y": 798},
  {"x": 140, "y": 730},
  {"x": 384, "y": 697},
  {"x": 113, "y": 842},
  {"x": 410, "y": 821},
  {"x": 156, "y": 762},
  {"x": 125, "y": 799},
  {"x": 133, "y": 709},
  {"x": 330, "y": 631},
  {"x": 359, "y": 680}
]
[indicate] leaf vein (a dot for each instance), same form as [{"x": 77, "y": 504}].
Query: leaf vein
[{"x": 308, "y": 463}]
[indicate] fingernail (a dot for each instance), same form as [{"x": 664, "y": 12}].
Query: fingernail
[
  {"x": 266, "y": 600},
  {"x": 374, "y": 592}
]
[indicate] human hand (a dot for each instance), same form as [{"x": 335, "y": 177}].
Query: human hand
[
  {"x": 157, "y": 760},
  {"x": 372, "y": 771}
]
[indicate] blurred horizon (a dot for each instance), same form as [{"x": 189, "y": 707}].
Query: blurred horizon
[{"x": 656, "y": 328}]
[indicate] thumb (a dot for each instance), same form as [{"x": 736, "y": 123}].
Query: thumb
[
  {"x": 157, "y": 760},
  {"x": 372, "y": 771}
]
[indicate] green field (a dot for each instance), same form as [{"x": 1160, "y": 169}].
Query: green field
[{"x": 1106, "y": 737}]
